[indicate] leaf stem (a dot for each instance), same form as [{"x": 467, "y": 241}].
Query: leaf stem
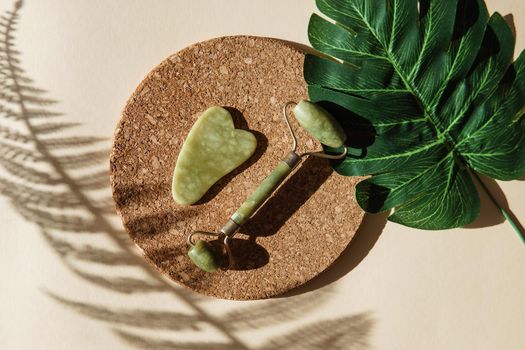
[{"x": 513, "y": 221}]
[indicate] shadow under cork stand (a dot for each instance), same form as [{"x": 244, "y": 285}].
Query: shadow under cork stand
[{"x": 320, "y": 125}]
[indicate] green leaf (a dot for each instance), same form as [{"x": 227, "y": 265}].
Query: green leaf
[{"x": 428, "y": 93}]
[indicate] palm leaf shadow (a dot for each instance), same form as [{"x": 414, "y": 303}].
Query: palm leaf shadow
[{"x": 54, "y": 181}]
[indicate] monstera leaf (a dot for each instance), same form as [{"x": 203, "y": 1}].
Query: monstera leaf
[{"x": 433, "y": 85}]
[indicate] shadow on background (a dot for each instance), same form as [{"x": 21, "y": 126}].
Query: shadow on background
[
  {"x": 64, "y": 205},
  {"x": 509, "y": 18},
  {"x": 490, "y": 214}
]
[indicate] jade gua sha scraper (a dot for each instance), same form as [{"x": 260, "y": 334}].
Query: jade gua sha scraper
[
  {"x": 313, "y": 118},
  {"x": 212, "y": 149}
]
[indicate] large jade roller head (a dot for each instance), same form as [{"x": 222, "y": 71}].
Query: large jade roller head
[{"x": 319, "y": 124}]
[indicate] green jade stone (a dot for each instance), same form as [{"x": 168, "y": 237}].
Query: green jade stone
[
  {"x": 261, "y": 194},
  {"x": 205, "y": 256},
  {"x": 212, "y": 149},
  {"x": 319, "y": 123}
]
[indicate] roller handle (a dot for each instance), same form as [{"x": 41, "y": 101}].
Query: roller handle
[{"x": 265, "y": 189}]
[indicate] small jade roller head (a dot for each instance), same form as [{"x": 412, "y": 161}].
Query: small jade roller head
[
  {"x": 206, "y": 256},
  {"x": 210, "y": 255},
  {"x": 319, "y": 123}
]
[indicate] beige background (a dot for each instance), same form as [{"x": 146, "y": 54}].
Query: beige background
[{"x": 402, "y": 289}]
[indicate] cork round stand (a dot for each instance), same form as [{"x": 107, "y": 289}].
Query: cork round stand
[{"x": 299, "y": 231}]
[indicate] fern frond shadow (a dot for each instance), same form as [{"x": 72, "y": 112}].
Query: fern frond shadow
[
  {"x": 345, "y": 333},
  {"x": 134, "y": 317},
  {"x": 147, "y": 343},
  {"x": 28, "y": 196},
  {"x": 49, "y": 128},
  {"x": 68, "y": 142},
  {"x": 53, "y": 180},
  {"x": 13, "y": 152},
  {"x": 26, "y": 173},
  {"x": 123, "y": 285},
  {"x": 88, "y": 253},
  {"x": 48, "y": 220},
  {"x": 275, "y": 311},
  {"x": 83, "y": 160}
]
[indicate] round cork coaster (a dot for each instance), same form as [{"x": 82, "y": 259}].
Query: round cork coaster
[{"x": 299, "y": 231}]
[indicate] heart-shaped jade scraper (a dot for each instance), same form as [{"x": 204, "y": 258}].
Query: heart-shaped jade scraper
[{"x": 212, "y": 149}]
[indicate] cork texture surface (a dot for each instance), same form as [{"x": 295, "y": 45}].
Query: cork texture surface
[{"x": 302, "y": 228}]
